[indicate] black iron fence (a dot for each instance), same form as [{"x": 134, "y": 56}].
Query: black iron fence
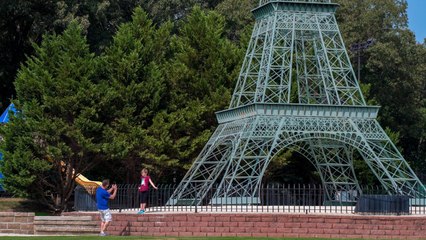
[{"x": 272, "y": 198}]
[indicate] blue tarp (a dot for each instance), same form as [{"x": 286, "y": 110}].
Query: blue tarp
[{"x": 4, "y": 118}]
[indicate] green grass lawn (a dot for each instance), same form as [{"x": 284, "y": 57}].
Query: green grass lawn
[
  {"x": 10, "y": 204},
  {"x": 146, "y": 238},
  {"x": 21, "y": 205}
]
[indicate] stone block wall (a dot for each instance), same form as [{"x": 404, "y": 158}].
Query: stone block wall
[
  {"x": 267, "y": 225},
  {"x": 16, "y": 222}
]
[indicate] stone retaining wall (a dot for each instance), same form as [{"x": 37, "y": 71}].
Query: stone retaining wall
[
  {"x": 267, "y": 225},
  {"x": 16, "y": 222}
]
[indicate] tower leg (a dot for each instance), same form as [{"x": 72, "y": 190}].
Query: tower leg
[
  {"x": 242, "y": 178},
  {"x": 334, "y": 162},
  {"x": 385, "y": 160},
  {"x": 209, "y": 167}
]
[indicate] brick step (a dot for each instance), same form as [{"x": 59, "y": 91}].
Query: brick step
[
  {"x": 63, "y": 218},
  {"x": 67, "y": 234},
  {"x": 65, "y": 225},
  {"x": 44, "y": 229},
  {"x": 60, "y": 222}
]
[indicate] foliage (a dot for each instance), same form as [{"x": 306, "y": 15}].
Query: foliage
[
  {"x": 239, "y": 20},
  {"x": 174, "y": 10},
  {"x": 133, "y": 67},
  {"x": 361, "y": 20},
  {"x": 147, "y": 97},
  {"x": 58, "y": 132},
  {"x": 394, "y": 68},
  {"x": 200, "y": 77},
  {"x": 24, "y": 22},
  {"x": 21, "y": 22},
  {"x": 165, "y": 10}
]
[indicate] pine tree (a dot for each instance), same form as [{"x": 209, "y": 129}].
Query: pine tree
[
  {"x": 200, "y": 78},
  {"x": 133, "y": 66},
  {"x": 58, "y": 131}
]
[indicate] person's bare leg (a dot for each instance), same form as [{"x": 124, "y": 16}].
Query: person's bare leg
[
  {"x": 102, "y": 226},
  {"x": 143, "y": 206},
  {"x": 105, "y": 226}
]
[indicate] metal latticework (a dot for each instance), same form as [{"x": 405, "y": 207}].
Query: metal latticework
[
  {"x": 305, "y": 32},
  {"x": 296, "y": 90}
]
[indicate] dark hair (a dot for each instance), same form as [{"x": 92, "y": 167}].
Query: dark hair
[{"x": 105, "y": 182}]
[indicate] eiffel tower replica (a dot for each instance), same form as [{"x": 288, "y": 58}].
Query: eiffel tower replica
[{"x": 296, "y": 90}]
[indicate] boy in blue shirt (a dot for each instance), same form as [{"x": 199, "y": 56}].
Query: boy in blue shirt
[{"x": 102, "y": 197}]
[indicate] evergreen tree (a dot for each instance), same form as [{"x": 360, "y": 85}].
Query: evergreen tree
[
  {"x": 201, "y": 76},
  {"x": 58, "y": 132},
  {"x": 21, "y": 22},
  {"x": 134, "y": 68}
]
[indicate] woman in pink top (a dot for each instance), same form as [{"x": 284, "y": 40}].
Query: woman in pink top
[{"x": 144, "y": 189}]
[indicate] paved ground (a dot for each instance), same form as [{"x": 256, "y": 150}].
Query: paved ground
[
  {"x": 332, "y": 210},
  {"x": 241, "y": 209}
]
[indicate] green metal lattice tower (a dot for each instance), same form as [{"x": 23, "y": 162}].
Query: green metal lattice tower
[{"x": 296, "y": 90}]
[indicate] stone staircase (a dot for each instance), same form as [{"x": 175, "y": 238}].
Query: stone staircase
[{"x": 65, "y": 225}]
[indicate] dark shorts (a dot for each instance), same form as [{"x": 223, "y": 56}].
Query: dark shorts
[{"x": 143, "y": 197}]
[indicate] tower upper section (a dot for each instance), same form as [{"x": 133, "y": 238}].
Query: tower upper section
[{"x": 296, "y": 55}]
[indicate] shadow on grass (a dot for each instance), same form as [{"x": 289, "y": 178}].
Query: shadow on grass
[{"x": 22, "y": 205}]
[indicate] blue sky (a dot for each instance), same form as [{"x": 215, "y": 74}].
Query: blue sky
[{"x": 417, "y": 18}]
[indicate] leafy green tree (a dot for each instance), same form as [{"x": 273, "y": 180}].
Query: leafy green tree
[
  {"x": 174, "y": 10},
  {"x": 100, "y": 19},
  {"x": 58, "y": 132},
  {"x": 360, "y": 20},
  {"x": 238, "y": 16},
  {"x": 394, "y": 68},
  {"x": 165, "y": 10},
  {"x": 21, "y": 22}
]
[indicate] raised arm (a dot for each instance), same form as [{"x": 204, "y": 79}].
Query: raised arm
[{"x": 115, "y": 190}]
